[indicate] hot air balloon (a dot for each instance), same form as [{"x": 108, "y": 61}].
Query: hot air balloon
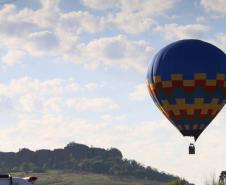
[{"x": 187, "y": 81}]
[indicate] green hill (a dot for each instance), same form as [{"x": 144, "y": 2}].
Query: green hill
[{"x": 97, "y": 164}]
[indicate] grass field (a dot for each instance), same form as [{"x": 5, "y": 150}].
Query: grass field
[{"x": 72, "y": 178}]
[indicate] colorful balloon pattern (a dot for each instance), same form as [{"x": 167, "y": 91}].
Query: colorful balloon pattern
[{"x": 187, "y": 81}]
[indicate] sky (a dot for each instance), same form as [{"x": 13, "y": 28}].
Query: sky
[{"x": 75, "y": 70}]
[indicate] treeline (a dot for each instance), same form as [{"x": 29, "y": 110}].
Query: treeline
[{"x": 80, "y": 158}]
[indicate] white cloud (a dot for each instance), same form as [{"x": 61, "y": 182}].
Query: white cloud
[
  {"x": 188, "y": 31},
  {"x": 151, "y": 7},
  {"x": 28, "y": 95},
  {"x": 81, "y": 22},
  {"x": 218, "y": 6},
  {"x": 111, "y": 118},
  {"x": 11, "y": 19},
  {"x": 101, "y": 4},
  {"x": 48, "y": 127},
  {"x": 129, "y": 22},
  {"x": 92, "y": 104},
  {"x": 118, "y": 51},
  {"x": 13, "y": 57},
  {"x": 46, "y": 31},
  {"x": 29, "y": 103},
  {"x": 26, "y": 85},
  {"x": 132, "y": 16},
  {"x": 50, "y": 4},
  {"x": 201, "y": 19},
  {"x": 39, "y": 43},
  {"x": 138, "y": 16},
  {"x": 50, "y": 32},
  {"x": 220, "y": 41},
  {"x": 6, "y": 104},
  {"x": 54, "y": 104},
  {"x": 33, "y": 29},
  {"x": 139, "y": 93},
  {"x": 91, "y": 86}
]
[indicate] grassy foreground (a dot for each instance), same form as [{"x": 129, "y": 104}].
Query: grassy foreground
[{"x": 57, "y": 177}]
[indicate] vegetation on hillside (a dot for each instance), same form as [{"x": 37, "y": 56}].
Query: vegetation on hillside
[{"x": 79, "y": 158}]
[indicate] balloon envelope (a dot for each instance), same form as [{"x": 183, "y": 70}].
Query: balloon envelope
[{"x": 187, "y": 81}]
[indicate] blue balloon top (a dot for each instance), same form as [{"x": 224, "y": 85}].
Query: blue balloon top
[{"x": 188, "y": 57}]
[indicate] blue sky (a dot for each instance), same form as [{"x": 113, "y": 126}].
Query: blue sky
[{"x": 75, "y": 70}]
